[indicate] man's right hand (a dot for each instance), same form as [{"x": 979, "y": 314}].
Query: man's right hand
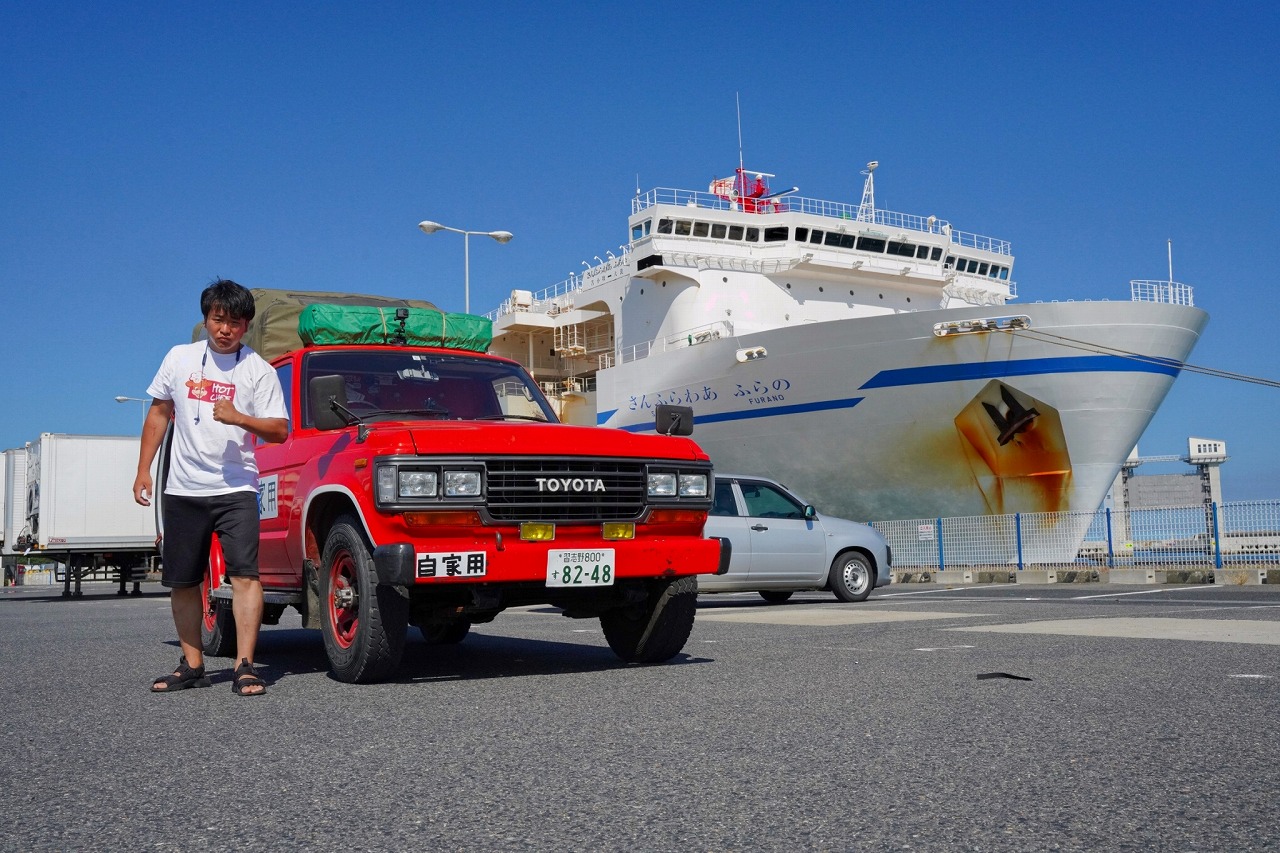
[{"x": 142, "y": 489}]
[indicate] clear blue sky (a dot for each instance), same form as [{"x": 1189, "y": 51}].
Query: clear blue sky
[{"x": 146, "y": 148}]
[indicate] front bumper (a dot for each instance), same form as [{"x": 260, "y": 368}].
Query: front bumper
[{"x": 522, "y": 562}]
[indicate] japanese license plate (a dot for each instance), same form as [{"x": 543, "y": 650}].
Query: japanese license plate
[
  {"x": 458, "y": 564},
  {"x": 587, "y": 567}
]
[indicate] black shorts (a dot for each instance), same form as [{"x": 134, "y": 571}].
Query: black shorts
[{"x": 189, "y": 525}]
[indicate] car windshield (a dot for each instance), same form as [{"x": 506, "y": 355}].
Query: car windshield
[{"x": 400, "y": 384}]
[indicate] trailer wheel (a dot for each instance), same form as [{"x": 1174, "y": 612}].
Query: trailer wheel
[
  {"x": 364, "y": 623},
  {"x": 656, "y": 630},
  {"x": 218, "y": 625}
]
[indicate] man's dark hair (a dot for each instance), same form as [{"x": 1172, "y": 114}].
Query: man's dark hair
[{"x": 233, "y": 298}]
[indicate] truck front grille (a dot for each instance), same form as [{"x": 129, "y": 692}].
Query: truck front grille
[{"x": 565, "y": 489}]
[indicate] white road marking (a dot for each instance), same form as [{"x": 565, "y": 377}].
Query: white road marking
[
  {"x": 1140, "y": 592},
  {"x": 825, "y": 617},
  {"x": 1251, "y": 631}
]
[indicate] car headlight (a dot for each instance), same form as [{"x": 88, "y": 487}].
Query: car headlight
[
  {"x": 662, "y": 485},
  {"x": 693, "y": 485},
  {"x": 461, "y": 484},
  {"x": 417, "y": 484}
]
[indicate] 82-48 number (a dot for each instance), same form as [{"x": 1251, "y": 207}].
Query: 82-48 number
[{"x": 580, "y": 568}]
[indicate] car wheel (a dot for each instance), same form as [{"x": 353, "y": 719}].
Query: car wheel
[
  {"x": 775, "y": 596},
  {"x": 851, "y": 577},
  {"x": 217, "y": 625},
  {"x": 656, "y": 630},
  {"x": 364, "y": 623},
  {"x": 445, "y": 635}
]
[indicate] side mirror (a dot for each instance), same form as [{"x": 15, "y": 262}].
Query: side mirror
[
  {"x": 327, "y": 394},
  {"x": 810, "y": 513},
  {"x": 673, "y": 420}
]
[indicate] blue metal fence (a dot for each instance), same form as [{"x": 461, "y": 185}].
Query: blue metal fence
[{"x": 1229, "y": 535}]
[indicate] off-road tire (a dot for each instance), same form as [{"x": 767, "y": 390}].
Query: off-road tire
[
  {"x": 656, "y": 630},
  {"x": 218, "y": 629},
  {"x": 852, "y": 577},
  {"x": 217, "y": 622},
  {"x": 363, "y": 623}
]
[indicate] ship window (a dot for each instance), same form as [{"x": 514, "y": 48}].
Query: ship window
[
  {"x": 936, "y": 253},
  {"x": 700, "y": 229},
  {"x": 871, "y": 244},
  {"x": 846, "y": 241},
  {"x": 802, "y": 234},
  {"x": 922, "y": 252},
  {"x": 951, "y": 262},
  {"x": 776, "y": 233},
  {"x": 1004, "y": 273},
  {"x": 735, "y": 232},
  {"x": 640, "y": 229},
  {"x": 982, "y": 269},
  {"x": 833, "y": 238},
  {"x": 815, "y": 237},
  {"x": 683, "y": 227},
  {"x": 717, "y": 230},
  {"x": 905, "y": 250},
  {"x": 973, "y": 265},
  {"x": 664, "y": 226},
  {"x": 752, "y": 235}
]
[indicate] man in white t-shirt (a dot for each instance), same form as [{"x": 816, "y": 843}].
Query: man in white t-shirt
[{"x": 218, "y": 393}]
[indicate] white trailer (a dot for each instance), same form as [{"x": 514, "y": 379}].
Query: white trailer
[
  {"x": 15, "y": 499},
  {"x": 79, "y": 509}
]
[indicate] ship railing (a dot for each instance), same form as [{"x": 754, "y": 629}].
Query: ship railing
[
  {"x": 688, "y": 338},
  {"x": 569, "y": 385},
  {"x": 546, "y": 301},
  {"x": 1238, "y": 536},
  {"x": 849, "y": 213},
  {"x": 1170, "y": 292}
]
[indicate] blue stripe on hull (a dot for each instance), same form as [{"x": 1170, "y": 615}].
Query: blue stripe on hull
[
  {"x": 943, "y": 373},
  {"x": 801, "y": 408},
  {"x": 1026, "y": 367}
]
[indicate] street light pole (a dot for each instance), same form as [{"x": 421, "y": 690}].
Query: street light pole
[
  {"x": 429, "y": 227},
  {"x": 146, "y": 404}
]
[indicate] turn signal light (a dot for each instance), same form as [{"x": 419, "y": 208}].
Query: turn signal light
[
  {"x": 450, "y": 518},
  {"x": 677, "y": 516}
]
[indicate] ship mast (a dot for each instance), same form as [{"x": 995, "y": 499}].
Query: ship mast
[{"x": 867, "y": 209}]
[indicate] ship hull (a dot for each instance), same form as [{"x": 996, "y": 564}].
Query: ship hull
[{"x": 877, "y": 418}]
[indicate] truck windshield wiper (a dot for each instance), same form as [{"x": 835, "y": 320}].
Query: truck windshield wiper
[{"x": 534, "y": 418}]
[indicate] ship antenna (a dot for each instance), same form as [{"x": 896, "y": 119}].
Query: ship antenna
[
  {"x": 738, "y": 103},
  {"x": 867, "y": 209},
  {"x": 1171, "y": 261}
]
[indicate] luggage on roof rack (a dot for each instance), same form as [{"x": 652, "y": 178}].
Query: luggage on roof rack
[
  {"x": 274, "y": 330},
  {"x": 322, "y": 324}
]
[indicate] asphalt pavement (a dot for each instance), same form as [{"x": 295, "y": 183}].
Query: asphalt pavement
[{"x": 976, "y": 718}]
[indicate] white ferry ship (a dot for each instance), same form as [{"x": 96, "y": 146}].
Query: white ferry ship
[{"x": 871, "y": 360}]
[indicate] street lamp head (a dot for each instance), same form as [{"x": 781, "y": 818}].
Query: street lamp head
[
  {"x": 123, "y": 399},
  {"x": 429, "y": 227},
  {"x": 501, "y": 236}
]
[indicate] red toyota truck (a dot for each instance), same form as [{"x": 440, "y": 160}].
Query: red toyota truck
[{"x": 432, "y": 486}]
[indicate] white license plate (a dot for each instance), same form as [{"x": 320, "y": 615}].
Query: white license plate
[
  {"x": 458, "y": 564},
  {"x": 586, "y": 567}
]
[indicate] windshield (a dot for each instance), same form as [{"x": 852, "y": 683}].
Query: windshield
[{"x": 405, "y": 385}]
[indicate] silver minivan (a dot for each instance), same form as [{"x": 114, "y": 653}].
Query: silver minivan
[{"x": 782, "y": 545}]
